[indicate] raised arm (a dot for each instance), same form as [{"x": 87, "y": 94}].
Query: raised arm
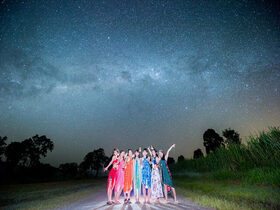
[
  {"x": 167, "y": 153},
  {"x": 149, "y": 151},
  {"x": 113, "y": 158}
]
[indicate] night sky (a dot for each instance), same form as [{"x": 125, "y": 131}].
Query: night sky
[{"x": 91, "y": 74}]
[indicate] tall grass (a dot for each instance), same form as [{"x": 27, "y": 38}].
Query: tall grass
[{"x": 261, "y": 152}]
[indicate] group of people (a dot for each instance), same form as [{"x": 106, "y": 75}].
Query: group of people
[{"x": 131, "y": 171}]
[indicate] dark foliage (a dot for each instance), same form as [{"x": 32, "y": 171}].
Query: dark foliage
[
  {"x": 197, "y": 154},
  {"x": 28, "y": 152},
  {"x": 212, "y": 140},
  {"x": 69, "y": 169},
  {"x": 94, "y": 160},
  {"x": 170, "y": 160},
  {"x": 2, "y": 146},
  {"x": 181, "y": 158},
  {"x": 231, "y": 136}
]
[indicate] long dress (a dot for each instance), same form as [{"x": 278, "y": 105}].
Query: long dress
[
  {"x": 120, "y": 176},
  {"x": 137, "y": 176},
  {"x": 156, "y": 190},
  {"x": 128, "y": 176},
  {"x": 146, "y": 173},
  {"x": 112, "y": 175},
  {"x": 166, "y": 175}
]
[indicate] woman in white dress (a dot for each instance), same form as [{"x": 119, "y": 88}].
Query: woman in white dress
[{"x": 156, "y": 185}]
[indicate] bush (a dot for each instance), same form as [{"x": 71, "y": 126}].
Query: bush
[{"x": 260, "y": 158}]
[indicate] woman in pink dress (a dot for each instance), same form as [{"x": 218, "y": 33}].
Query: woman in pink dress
[{"x": 119, "y": 184}]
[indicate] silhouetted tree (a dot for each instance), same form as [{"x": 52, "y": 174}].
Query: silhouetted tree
[
  {"x": 170, "y": 160},
  {"x": 212, "y": 140},
  {"x": 29, "y": 151},
  {"x": 36, "y": 147},
  {"x": 197, "y": 154},
  {"x": 99, "y": 159},
  {"x": 181, "y": 158},
  {"x": 14, "y": 153},
  {"x": 69, "y": 169},
  {"x": 232, "y": 137},
  {"x": 94, "y": 161},
  {"x": 2, "y": 146},
  {"x": 87, "y": 163}
]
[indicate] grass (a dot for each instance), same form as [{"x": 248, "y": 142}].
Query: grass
[
  {"x": 236, "y": 176},
  {"x": 227, "y": 194},
  {"x": 261, "y": 151},
  {"x": 46, "y": 195}
]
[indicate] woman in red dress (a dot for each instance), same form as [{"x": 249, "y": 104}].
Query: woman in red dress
[{"x": 112, "y": 175}]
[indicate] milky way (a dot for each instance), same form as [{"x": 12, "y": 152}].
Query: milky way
[{"x": 92, "y": 74}]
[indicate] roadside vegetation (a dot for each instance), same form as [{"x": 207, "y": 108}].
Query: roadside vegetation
[{"x": 235, "y": 175}]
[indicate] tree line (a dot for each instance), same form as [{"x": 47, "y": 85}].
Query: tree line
[
  {"x": 212, "y": 141},
  {"x": 20, "y": 161}
]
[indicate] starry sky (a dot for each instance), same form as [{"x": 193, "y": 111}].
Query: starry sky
[{"x": 124, "y": 74}]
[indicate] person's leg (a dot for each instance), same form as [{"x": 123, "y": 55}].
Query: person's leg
[
  {"x": 125, "y": 196},
  {"x": 117, "y": 193},
  {"x": 120, "y": 191},
  {"x": 144, "y": 193},
  {"x": 128, "y": 196},
  {"x": 137, "y": 195},
  {"x": 165, "y": 192},
  {"x": 149, "y": 195},
  {"x": 109, "y": 191},
  {"x": 174, "y": 193}
]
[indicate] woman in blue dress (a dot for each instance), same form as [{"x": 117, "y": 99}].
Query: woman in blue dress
[
  {"x": 146, "y": 176},
  {"x": 137, "y": 176}
]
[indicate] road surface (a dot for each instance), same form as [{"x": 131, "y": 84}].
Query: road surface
[{"x": 98, "y": 201}]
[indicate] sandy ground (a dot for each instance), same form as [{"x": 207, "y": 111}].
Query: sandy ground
[{"x": 98, "y": 201}]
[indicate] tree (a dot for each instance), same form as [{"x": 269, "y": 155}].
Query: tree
[
  {"x": 170, "y": 160},
  {"x": 99, "y": 159},
  {"x": 14, "y": 153},
  {"x": 87, "y": 163},
  {"x": 232, "y": 137},
  {"x": 197, "y": 154},
  {"x": 181, "y": 158},
  {"x": 29, "y": 151},
  {"x": 69, "y": 169},
  {"x": 36, "y": 147},
  {"x": 94, "y": 161},
  {"x": 2, "y": 146},
  {"x": 212, "y": 140}
]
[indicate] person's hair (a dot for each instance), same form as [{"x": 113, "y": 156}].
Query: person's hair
[
  {"x": 121, "y": 152},
  {"x": 145, "y": 149},
  {"x": 154, "y": 150},
  {"x": 116, "y": 149},
  {"x": 129, "y": 150},
  {"x": 162, "y": 153},
  {"x": 138, "y": 152}
]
